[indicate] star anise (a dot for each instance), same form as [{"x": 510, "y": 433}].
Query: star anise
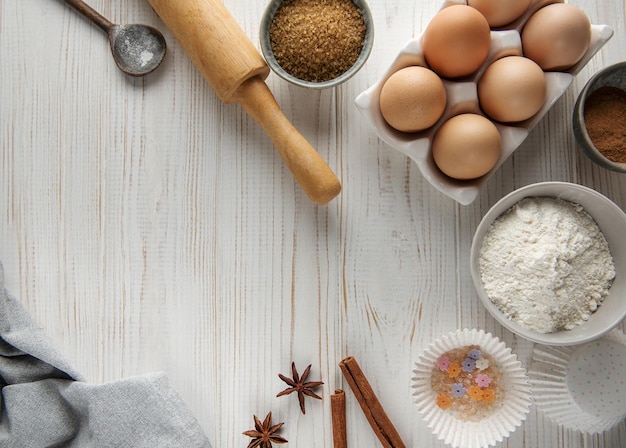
[
  {"x": 299, "y": 384},
  {"x": 265, "y": 433}
]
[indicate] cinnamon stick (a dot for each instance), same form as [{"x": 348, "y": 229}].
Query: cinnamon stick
[
  {"x": 338, "y": 412},
  {"x": 373, "y": 410}
]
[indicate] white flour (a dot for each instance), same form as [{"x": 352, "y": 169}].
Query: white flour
[{"x": 545, "y": 264}]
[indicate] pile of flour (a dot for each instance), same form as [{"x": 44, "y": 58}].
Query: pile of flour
[{"x": 545, "y": 264}]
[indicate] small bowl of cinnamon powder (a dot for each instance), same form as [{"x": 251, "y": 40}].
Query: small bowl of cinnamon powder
[
  {"x": 599, "y": 118},
  {"x": 316, "y": 43}
]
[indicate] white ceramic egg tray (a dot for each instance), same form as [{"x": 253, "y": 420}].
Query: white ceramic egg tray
[{"x": 462, "y": 97}]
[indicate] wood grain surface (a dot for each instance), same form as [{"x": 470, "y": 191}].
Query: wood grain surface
[{"x": 147, "y": 226}]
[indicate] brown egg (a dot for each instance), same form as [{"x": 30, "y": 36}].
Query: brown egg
[
  {"x": 466, "y": 146},
  {"x": 412, "y": 99},
  {"x": 512, "y": 89},
  {"x": 456, "y": 41},
  {"x": 500, "y": 12},
  {"x": 557, "y": 36}
]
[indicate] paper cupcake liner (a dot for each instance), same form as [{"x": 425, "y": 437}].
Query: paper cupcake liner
[
  {"x": 582, "y": 387},
  {"x": 491, "y": 429}
]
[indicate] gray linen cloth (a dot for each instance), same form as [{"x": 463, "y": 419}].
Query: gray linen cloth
[{"x": 45, "y": 402}]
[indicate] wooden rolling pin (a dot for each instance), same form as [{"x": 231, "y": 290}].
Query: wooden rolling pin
[{"x": 235, "y": 69}]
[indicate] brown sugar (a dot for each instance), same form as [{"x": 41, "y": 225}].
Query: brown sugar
[
  {"x": 317, "y": 40},
  {"x": 605, "y": 119}
]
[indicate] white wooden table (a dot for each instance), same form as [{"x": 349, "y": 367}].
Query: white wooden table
[{"x": 146, "y": 226}]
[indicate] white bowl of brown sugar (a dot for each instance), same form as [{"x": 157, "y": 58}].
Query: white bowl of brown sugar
[
  {"x": 316, "y": 43},
  {"x": 549, "y": 263}
]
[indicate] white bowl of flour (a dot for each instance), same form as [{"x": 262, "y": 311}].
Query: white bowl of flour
[{"x": 549, "y": 263}]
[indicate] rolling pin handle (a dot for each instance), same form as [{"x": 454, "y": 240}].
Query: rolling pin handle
[
  {"x": 235, "y": 69},
  {"x": 308, "y": 168}
]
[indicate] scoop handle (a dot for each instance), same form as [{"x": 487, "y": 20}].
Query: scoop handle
[
  {"x": 91, "y": 14},
  {"x": 306, "y": 165}
]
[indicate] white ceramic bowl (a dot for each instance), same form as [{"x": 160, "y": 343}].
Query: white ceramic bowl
[
  {"x": 462, "y": 97},
  {"x": 612, "y": 222}
]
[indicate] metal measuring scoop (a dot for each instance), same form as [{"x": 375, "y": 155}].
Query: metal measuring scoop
[{"x": 137, "y": 49}]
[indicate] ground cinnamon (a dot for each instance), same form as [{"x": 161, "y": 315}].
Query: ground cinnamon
[
  {"x": 373, "y": 410},
  {"x": 605, "y": 119}
]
